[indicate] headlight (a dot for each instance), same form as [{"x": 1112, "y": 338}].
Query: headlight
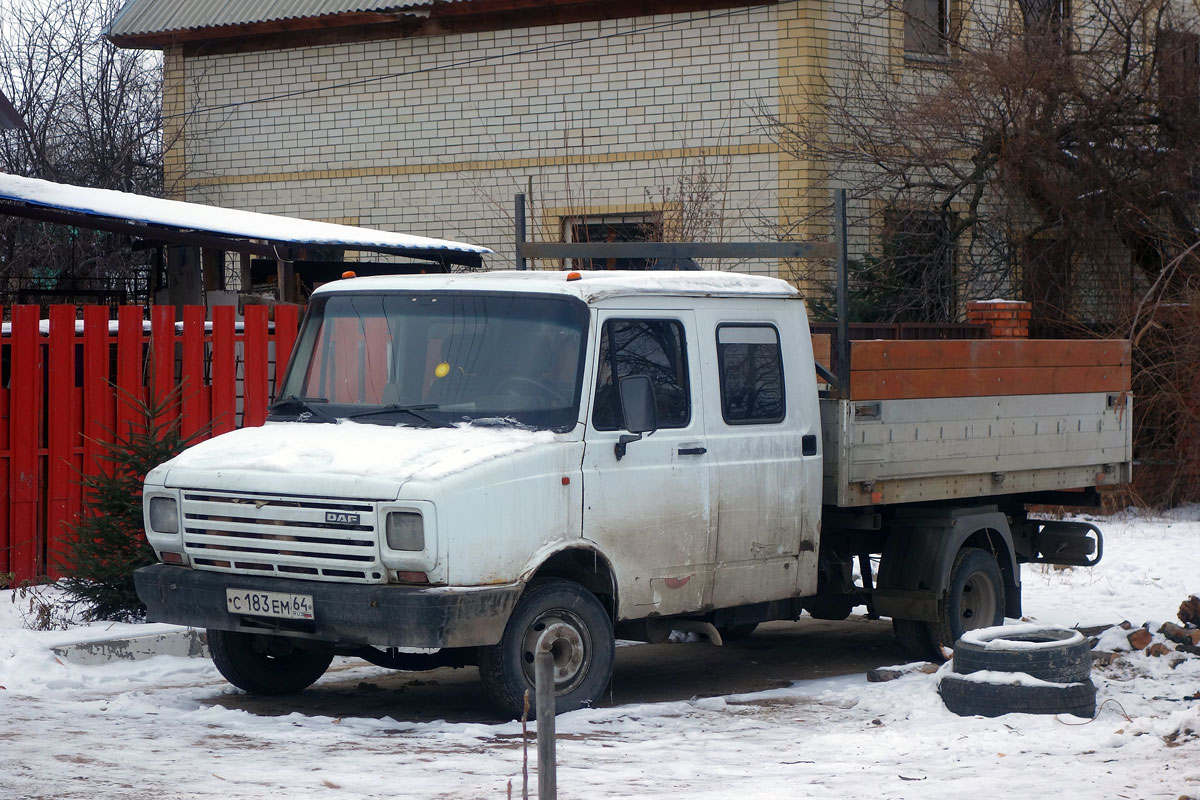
[
  {"x": 405, "y": 531},
  {"x": 164, "y": 515}
]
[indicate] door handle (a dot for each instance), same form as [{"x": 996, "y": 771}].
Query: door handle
[{"x": 692, "y": 451}]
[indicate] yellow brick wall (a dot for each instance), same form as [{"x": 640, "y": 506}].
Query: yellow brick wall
[
  {"x": 434, "y": 135},
  {"x": 174, "y": 109}
]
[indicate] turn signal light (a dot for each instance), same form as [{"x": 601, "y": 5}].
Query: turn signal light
[
  {"x": 171, "y": 558},
  {"x": 412, "y": 577}
]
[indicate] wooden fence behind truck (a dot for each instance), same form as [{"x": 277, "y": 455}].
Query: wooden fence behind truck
[{"x": 66, "y": 384}]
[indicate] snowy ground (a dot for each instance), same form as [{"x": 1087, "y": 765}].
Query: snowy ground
[{"x": 150, "y": 730}]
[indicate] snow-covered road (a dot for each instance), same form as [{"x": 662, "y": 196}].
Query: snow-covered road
[{"x": 151, "y": 729}]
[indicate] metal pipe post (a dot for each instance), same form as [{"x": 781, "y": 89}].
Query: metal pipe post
[
  {"x": 843, "y": 292},
  {"x": 519, "y": 222},
  {"x": 543, "y": 673}
]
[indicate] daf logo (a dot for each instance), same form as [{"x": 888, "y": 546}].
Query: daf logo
[{"x": 341, "y": 518}]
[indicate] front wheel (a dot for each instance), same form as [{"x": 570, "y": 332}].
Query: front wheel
[
  {"x": 569, "y": 621},
  {"x": 262, "y": 664},
  {"x": 974, "y": 599}
]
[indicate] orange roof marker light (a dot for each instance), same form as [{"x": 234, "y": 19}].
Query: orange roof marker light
[
  {"x": 573, "y": 276},
  {"x": 349, "y": 274}
]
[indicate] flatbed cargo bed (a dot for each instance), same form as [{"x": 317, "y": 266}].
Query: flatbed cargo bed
[{"x": 938, "y": 420}]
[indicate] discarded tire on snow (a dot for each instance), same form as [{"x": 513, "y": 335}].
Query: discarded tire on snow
[
  {"x": 1051, "y": 654},
  {"x": 1025, "y": 669},
  {"x": 969, "y": 696}
]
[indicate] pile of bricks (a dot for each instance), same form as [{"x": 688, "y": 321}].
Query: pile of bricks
[
  {"x": 1178, "y": 642},
  {"x": 1006, "y": 319}
]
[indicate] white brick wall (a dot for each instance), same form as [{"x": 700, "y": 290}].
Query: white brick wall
[{"x": 666, "y": 82}]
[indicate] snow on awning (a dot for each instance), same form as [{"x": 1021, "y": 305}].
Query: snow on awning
[{"x": 176, "y": 222}]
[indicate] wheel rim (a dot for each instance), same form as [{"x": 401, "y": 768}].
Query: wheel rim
[
  {"x": 566, "y": 637},
  {"x": 978, "y": 605}
]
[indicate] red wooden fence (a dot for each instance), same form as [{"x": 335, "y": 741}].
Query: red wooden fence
[{"x": 62, "y": 384}]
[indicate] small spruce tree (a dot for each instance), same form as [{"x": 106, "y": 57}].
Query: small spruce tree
[{"x": 109, "y": 540}]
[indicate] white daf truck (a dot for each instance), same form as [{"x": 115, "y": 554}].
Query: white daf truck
[{"x": 466, "y": 469}]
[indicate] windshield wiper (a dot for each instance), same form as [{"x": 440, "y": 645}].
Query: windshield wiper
[
  {"x": 394, "y": 408},
  {"x": 300, "y": 406}
]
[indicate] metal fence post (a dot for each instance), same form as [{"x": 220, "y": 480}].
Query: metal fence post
[
  {"x": 843, "y": 292},
  {"x": 543, "y": 673},
  {"x": 519, "y": 222}
]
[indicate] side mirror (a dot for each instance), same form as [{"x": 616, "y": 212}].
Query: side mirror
[{"x": 638, "y": 409}]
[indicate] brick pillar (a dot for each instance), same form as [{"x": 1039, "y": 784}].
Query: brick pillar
[{"x": 1006, "y": 319}]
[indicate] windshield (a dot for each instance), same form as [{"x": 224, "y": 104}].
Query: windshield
[{"x": 422, "y": 358}]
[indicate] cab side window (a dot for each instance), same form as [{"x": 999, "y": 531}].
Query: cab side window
[
  {"x": 651, "y": 347},
  {"x": 751, "y": 369}
]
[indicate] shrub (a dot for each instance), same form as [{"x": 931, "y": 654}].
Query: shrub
[{"x": 109, "y": 541}]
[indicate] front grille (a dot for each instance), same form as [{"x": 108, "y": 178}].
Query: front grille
[{"x": 295, "y": 537}]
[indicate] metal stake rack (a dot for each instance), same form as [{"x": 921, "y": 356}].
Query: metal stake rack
[{"x": 675, "y": 251}]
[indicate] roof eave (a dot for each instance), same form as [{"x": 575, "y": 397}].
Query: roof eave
[
  {"x": 159, "y": 40},
  {"x": 418, "y": 19}
]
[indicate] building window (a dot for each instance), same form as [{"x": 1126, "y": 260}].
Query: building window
[
  {"x": 1052, "y": 17},
  {"x": 612, "y": 228},
  {"x": 750, "y": 365},
  {"x": 926, "y": 27},
  {"x": 1178, "y": 83},
  {"x": 1060, "y": 16},
  {"x": 1048, "y": 282},
  {"x": 651, "y": 347},
  {"x": 918, "y": 267}
]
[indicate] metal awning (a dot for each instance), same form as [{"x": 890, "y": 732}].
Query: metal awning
[{"x": 157, "y": 220}]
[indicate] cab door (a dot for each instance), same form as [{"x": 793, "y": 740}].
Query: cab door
[
  {"x": 764, "y": 453},
  {"x": 650, "y": 509}
]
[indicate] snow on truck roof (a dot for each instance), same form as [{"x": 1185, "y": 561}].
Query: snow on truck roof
[{"x": 588, "y": 286}]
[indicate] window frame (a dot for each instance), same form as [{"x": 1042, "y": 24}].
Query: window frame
[
  {"x": 632, "y": 226},
  {"x": 721, "y": 374},
  {"x": 682, "y": 339},
  {"x": 1178, "y": 55},
  {"x": 940, "y": 36}
]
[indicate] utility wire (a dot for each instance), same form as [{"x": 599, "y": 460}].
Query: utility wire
[{"x": 464, "y": 63}]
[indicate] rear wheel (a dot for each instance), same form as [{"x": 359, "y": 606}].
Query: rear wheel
[
  {"x": 569, "y": 621},
  {"x": 262, "y": 664},
  {"x": 917, "y": 639},
  {"x": 974, "y": 599}
]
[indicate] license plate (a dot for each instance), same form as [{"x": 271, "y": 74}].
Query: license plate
[{"x": 269, "y": 604}]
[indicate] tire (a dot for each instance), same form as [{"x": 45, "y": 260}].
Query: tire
[
  {"x": 581, "y": 640},
  {"x": 974, "y": 599},
  {"x": 262, "y": 664},
  {"x": 969, "y": 698},
  {"x": 1051, "y": 654},
  {"x": 917, "y": 640}
]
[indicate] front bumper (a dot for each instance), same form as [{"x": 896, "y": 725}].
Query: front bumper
[{"x": 344, "y": 613}]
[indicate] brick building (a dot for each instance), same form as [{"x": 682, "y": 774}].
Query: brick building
[{"x": 619, "y": 120}]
